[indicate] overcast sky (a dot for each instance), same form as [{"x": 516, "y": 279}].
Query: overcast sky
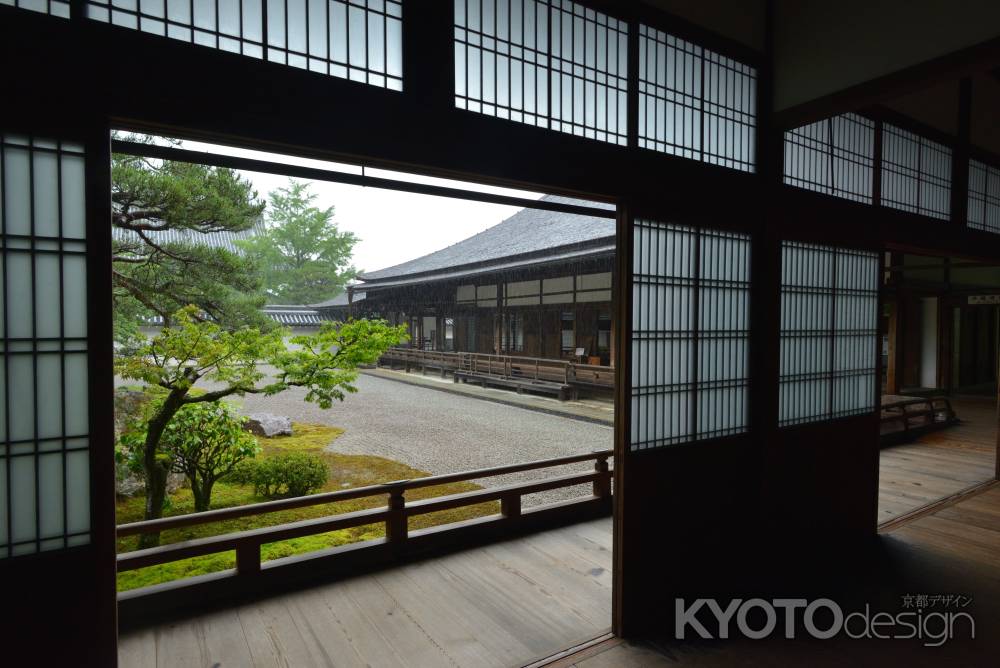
[{"x": 392, "y": 226}]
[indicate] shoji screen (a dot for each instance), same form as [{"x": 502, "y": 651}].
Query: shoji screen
[
  {"x": 690, "y": 329},
  {"x": 551, "y": 63},
  {"x": 984, "y": 197},
  {"x": 916, "y": 173},
  {"x": 44, "y": 458},
  {"x": 696, "y": 103},
  {"x": 829, "y": 331},
  {"x": 52, "y": 7},
  {"x": 361, "y": 40},
  {"x": 835, "y": 156}
]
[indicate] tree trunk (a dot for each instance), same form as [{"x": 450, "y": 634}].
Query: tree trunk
[
  {"x": 202, "y": 493},
  {"x": 155, "y": 471}
]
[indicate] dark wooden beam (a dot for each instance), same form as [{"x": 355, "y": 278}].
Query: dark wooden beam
[
  {"x": 956, "y": 65},
  {"x": 961, "y": 155}
]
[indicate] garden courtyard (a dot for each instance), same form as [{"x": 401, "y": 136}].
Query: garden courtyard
[{"x": 387, "y": 431}]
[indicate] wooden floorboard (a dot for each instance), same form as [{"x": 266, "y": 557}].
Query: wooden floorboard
[
  {"x": 939, "y": 464},
  {"x": 955, "y": 550},
  {"x": 505, "y": 604}
]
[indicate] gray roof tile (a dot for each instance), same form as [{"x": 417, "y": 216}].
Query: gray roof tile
[
  {"x": 226, "y": 240},
  {"x": 527, "y": 231}
]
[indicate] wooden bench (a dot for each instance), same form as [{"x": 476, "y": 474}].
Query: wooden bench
[
  {"x": 524, "y": 374},
  {"x": 420, "y": 359},
  {"x": 561, "y": 390},
  {"x": 904, "y": 418}
]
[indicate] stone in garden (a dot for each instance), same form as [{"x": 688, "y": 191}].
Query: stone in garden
[
  {"x": 128, "y": 483},
  {"x": 268, "y": 425}
]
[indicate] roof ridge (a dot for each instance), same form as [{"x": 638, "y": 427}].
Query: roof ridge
[{"x": 525, "y": 234}]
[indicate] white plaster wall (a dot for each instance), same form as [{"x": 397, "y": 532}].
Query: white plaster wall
[{"x": 928, "y": 342}]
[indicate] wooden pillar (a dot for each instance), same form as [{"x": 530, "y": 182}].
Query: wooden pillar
[
  {"x": 613, "y": 335},
  {"x": 960, "y": 155},
  {"x": 891, "y": 379},
  {"x": 247, "y": 559},
  {"x": 395, "y": 525}
]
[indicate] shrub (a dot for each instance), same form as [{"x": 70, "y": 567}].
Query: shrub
[
  {"x": 244, "y": 473},
  {"x": 204, "y": 442},
  {"x": 284, "y": 475}
]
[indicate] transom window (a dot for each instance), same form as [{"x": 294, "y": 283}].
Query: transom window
[
  {"x": 916, "y": 173},
  {"x": 550, "y": 63},
  {"x": 835, "y": 156},
  {"x": 360, "y": 40},
  {"x": 984, "y": 197},
  {"x": 52, "y": 7},
  {"x": 696, "y": 103}
]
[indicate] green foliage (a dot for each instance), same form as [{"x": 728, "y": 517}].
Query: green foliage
[
  {"x": 204, "y": 442},
  {"x": 152, "y": 276},
  {"x": 244, "y": 473},
  {"x": 284, "y": 475},
  {"x": 191, "y": 350},
  {"x": 303, "y": 257},
  {"x": 345, "y": 471}
]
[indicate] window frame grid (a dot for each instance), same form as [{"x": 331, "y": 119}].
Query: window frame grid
[
  {"x": 58, "y": 8},
  {"x": 920, "y": 175},
  {"x": 253, "y": 39},
  {"x": 697, "y": 387},
  {"x": 40, "y": 445},
  {"x": 830, "y": 372},
  {"x": 553, "y": 59},
  {"x": 983, "y": 212},
  {"x": 653, "y": 94},
  {"x": 839, "y": 160}
]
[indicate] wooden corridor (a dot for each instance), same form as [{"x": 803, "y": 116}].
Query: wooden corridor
[
  {"x": 505, "y": 604},
  {"x": 953, "y": 550},
  {"x": 939, "y": 464}
]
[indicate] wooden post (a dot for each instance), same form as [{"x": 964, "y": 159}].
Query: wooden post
[
  {"x": 510, "y": 505},
  {"x": 602, "y": 486},
  {"x": 395, "y": 525},
  {"x": 891, "y": 378},
  {"x": 247, "y": 559}
]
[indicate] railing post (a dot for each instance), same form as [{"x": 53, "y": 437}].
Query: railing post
[
  {"x": 247, "y": 559},
  {"x": 510, "y": 505},
  {"x": 395, "y": 525},
  {"x": 602, "y": 486}
]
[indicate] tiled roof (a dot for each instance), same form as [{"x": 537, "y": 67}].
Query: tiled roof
[
  {"x": 289, "y": 316},
  {"x": 531, "y": 232},
  {"x": 301, "y": 316},
  {"x": 340, "y": 300},
  {"x": 226, "y": 240}
]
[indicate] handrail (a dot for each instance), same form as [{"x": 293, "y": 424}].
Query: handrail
[
  {"x": 164, "y": 523},
  {"x": 394, "y": 515},
  {"x": 486, "y": 363}
]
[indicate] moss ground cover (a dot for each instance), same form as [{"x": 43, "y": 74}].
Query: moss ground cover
[{"x": 345, "y": 471}]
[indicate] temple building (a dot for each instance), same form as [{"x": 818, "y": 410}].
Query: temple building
[{"x": 538, "y": 284}]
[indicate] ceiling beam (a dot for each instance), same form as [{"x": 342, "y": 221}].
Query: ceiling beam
[{"x": 982, "y": 57}]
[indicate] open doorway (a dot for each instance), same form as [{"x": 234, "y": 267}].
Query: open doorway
[
  {"x": 477, "y": 409},
  {"x": 939, "y": 408}
]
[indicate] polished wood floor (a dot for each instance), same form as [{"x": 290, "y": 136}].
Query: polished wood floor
[
  {"x": 515, "y": 602},
  {"x": 955, "y": 550},
  {"x": 506, "y": 604},
  {"x": 939, "y": 464}
]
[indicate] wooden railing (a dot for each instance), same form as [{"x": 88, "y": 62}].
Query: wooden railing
[
  {"x": 904, "y": 418},
  {"x": 505, "y": 366},
  {"x": 394, "y": 515}
]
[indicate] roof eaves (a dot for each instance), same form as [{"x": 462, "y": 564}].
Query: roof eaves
[{"x": 603, "y": 251}]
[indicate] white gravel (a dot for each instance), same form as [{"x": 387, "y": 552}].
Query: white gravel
[{"x": 442, "y": 432}]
